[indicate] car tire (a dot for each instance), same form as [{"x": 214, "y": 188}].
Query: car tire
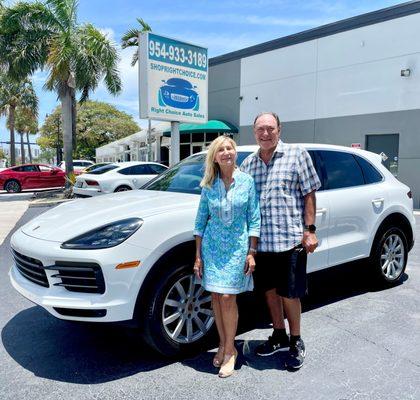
[
  {"x": 178, "y": 314},
  {"x": 13, "y": 186},
  {"x": 389, "y": 256},
  {"x": 122, "y": 188}
]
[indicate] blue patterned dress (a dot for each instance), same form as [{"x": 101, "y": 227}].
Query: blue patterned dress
[{"x": 225, "y": 220}]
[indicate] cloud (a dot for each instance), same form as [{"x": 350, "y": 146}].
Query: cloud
[{"x": 108, "y": 33}]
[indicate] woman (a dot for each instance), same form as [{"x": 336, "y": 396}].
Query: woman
[{"x": 227, "y": 228}]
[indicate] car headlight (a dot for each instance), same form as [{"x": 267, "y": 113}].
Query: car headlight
[{"x": 106, "y": 236}]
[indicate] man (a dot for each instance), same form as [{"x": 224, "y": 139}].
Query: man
[{"x": 286, "y": 182}]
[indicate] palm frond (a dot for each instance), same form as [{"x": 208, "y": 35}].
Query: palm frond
[
  {"x": 96, "y": 59},
  {"x": 65, "y": 12},
  {"x": 134, "y": 58},
  {"x": 24, "y": 32},
  {"x": 130, "y": 38}
]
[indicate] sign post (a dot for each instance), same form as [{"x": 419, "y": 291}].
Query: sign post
[
  {"x": 174, "y": 142},
  {"x": 173, "y": 83}
]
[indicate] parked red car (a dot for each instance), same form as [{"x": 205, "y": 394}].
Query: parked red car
[{"x": 31, "y": 176}]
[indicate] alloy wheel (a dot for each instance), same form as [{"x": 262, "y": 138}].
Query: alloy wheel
[
  {"x": 187, "y": 315},
  {"x": 392, "y": 257},
  {"x": 13, "y": 187}
]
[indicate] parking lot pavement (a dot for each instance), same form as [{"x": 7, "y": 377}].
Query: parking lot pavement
[
  {"x": 12, "y": 207},
  {"x": 362, "y": 343}
]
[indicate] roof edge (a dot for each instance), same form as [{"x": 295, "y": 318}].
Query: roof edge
[{"x": 359, "y": 21}]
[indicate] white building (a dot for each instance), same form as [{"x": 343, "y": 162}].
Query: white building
[
  {"x": 35, "y": 150},
  {"x": 353, "y": 82},
  {"x": 134, "y": 147}
]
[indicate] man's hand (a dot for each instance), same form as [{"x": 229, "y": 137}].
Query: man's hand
[
  {"x": 249, "y": 264},
  {"x": 309, "y": 241}
]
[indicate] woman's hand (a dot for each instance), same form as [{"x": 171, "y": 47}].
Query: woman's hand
[
  {"x": 249, "y": 264},
  {"x": 198, "y": 268}
]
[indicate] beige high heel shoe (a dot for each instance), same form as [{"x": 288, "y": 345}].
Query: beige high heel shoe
[{"x": 228, "y": 366}]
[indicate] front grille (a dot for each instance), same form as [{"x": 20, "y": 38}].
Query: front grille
[
  {"x": 31, "y": 268},
  {"x": 79, "y": 277}
]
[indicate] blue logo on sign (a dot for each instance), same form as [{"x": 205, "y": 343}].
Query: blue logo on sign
[{"x": 178, "y": 93}]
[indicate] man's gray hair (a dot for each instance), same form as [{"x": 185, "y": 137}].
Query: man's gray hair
[{"x": 272, "y": 113}]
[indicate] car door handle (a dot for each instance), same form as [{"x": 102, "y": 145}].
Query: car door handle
[
  {"x": 378, "y": 200},
  {"x": 321, "y": 211}
]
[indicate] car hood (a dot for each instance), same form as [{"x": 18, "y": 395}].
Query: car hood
[{"x": 74, "y": 218}]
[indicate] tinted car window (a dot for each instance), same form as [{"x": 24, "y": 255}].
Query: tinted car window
[
  {"x": 156, "y": 169},
  {"x": 102, "y": 170},
  {"x": 317, "y": 162},
  {"x": 95, "y": 166},
  {"x": 141, "y": 170},
  {"x": 185, "y": 176},
  {"x": 341, "y": 169},
  {"x": 125, "y": 171},
  {"x": 370, "y": 173},
  {"x": 28, "y": 168}
]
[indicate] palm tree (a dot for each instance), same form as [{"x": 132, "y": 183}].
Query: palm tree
[
  {"x": 46, "y": 35},
  {"x": 26, "y": 122},
  {"x": 131, "y": 39},
  {"x": 12, "y": 95}
]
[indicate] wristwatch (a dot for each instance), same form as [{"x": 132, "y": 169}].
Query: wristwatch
[
  {"x": 252, "y": 250},
  {"x": 310, "y": 228}
]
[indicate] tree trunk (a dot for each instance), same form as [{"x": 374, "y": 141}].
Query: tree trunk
[
  {"x": 12, "y": 135},
  {"x": 22, "y": 149},
  {"x": 29, "y": 147},
  {"x": 66, "y": 116},
  {"x": 73, "y": 117}
]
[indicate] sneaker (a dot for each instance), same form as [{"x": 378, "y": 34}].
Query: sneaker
[
  {"x": 296, "y": 355},
  {"x": 272, "y": 346}
]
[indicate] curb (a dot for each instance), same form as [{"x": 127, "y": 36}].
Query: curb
[{"x": 50, "y": 203}]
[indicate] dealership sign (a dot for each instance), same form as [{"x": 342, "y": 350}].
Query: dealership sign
[{"x": 172, "y": 79}]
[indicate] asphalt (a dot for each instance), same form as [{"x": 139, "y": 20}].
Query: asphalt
[{"x": 362, "y": 343}]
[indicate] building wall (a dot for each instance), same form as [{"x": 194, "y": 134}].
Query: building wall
[
  {"x": 335, "y": 89},
  {"x": 224, "y": 91},
  {"x": 354, "y": 129}
]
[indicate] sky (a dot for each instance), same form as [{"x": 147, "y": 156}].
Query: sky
[{"x": 221, "y": 26}]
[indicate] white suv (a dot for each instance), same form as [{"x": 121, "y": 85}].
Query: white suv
[
  {"x": 129, "y": 255},
  {"x": 78, "y": 165}
]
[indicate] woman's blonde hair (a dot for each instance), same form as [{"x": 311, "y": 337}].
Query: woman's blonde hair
[{"x": 212, "y": 168}]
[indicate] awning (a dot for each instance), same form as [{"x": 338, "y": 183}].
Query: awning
[{"x": 212, "y": 126}]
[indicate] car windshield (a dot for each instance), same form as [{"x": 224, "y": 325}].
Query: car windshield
[
  {"x": 103, "y": 169},
  {"x": 185, "y": 177}
]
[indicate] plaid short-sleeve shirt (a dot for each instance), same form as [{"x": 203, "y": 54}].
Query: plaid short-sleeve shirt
[{"x": 281, "y": 186}]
